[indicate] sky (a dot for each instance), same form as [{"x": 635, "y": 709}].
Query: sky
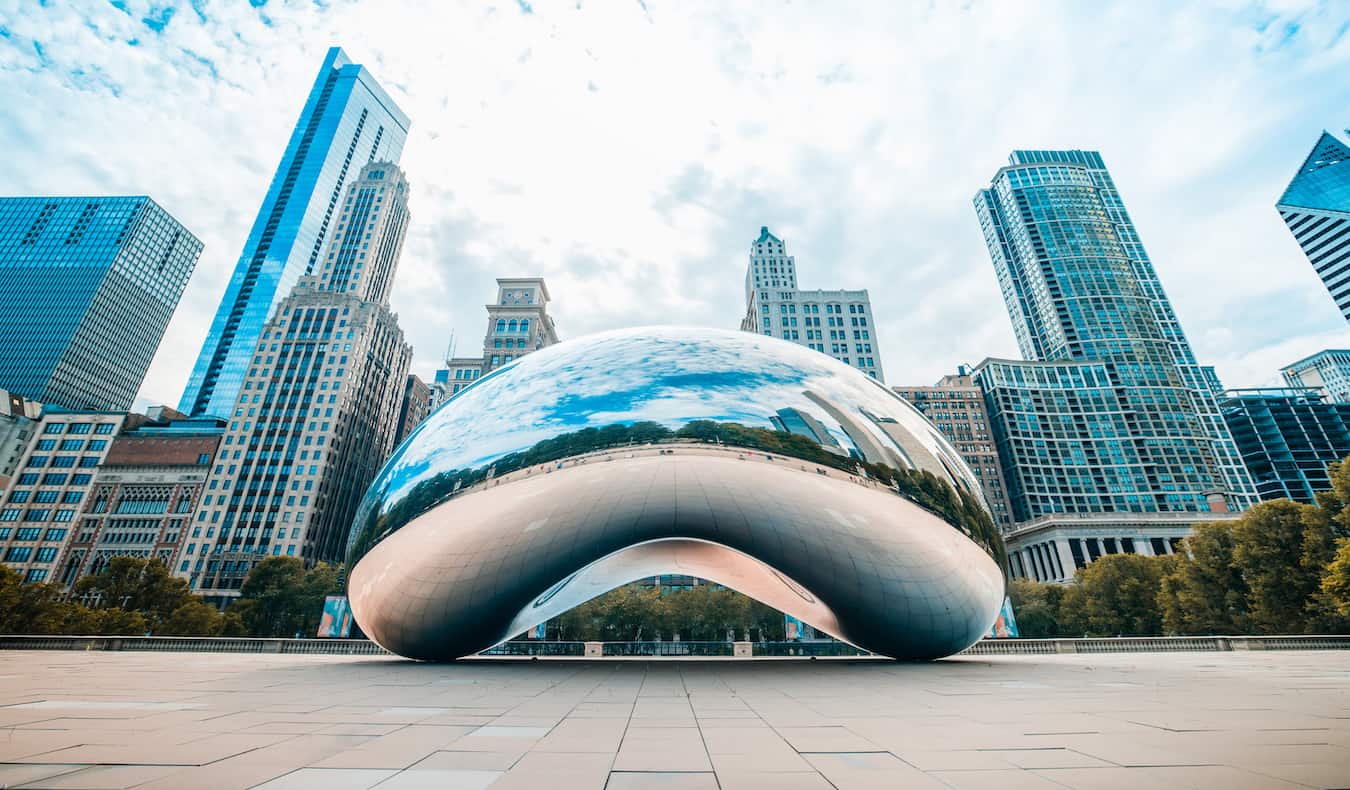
[{"x": 630, "y": 151}]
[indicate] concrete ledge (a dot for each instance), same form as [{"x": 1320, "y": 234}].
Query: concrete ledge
[{"x": 528, "y": 649}]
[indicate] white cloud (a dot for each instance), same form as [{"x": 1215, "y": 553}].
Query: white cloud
[{"x": 630, "y": 153}]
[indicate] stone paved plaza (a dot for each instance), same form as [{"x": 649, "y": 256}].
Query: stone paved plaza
[{"x": 193, "y": 720}]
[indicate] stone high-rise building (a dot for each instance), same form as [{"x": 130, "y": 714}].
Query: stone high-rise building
[
  {"x": 415, "y": 407},
  {"x": 318, "y": 409},
  {"x": 956, "y": 406},
  {"x": 87, "y": 288},
  {"x": 518, "y": 323},
  {"x": 836, "y": 323},
  {"x": 347, "y": 121},
  {"x": 18, "y": 419},
  {"x": 51, "y": 487},
  {"x": 143, "y": 495}
]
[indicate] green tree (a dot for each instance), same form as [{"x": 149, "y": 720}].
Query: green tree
[
  {"x": 194, "y": 618},
  {"x": 1117, "y": 595},
  {"x": 281, "y": 598},
  {"x": 1335, "y": 585},
  {"x": 115, "y": 621},
  {"x": 38, "y": 608},
  {"x": 1281, "y": 548},
  {"x": 1036, "y": 606},
  {"x": 135, "y": 585},
  {"x": 1206, "y": 592}
]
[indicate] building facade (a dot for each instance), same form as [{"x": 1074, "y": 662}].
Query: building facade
[
  {"x": 836, "y": 323},
  {"x": 19, "y": 417},
  {"x": 415, "y": 407},
  {"x": 956, "y": 406},
  {"x": 1287, "y": 438},
  {"x": 1054, "y": 548},
  {"x": 319, "y": 406},
  {"x": 347, "y": 121},
  {"x": 1316, "y": 208},
  {"x": 1327, "y": 371},
  {"x": 517, "y": 323},
  {"x": 141, "y": 500},
  {"x": 1110, "y": 414},
  {"x": 87, "y": 287},
  {"x": 49, "y": 489}
]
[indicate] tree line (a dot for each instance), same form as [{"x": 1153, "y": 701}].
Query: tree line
[
  {"x": 1282, "y": 567},
  {"x": 135, "y": 596},
  {"x": 636, "y": 612}
]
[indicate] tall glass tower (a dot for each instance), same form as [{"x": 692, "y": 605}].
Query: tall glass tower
[
  {"x": 348, "y": 120},
  {"x": 87, "y": 287},
  {"x": 1316, "y": 207},
  {"x": 1111, "y": 413}
]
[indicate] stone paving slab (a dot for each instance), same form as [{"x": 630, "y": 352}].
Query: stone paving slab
[{"x": 157, "y": 721}]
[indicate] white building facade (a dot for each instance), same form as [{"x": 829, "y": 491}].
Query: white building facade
[
  {"x": 835, "y": 323},
  {"x": 1326, "y": 371}
]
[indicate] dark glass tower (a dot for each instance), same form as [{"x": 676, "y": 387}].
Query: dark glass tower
[
  {"x": 1111, "y": 413},
  {"x": 1316, "y": 207},
  {"x": 87, "y": 287},
  {"x": 347, "y": 121}
]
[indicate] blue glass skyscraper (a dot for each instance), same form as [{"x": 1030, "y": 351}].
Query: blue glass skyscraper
[
  {"x": 1316, "y": 207},
  {"x": 87, "y": 287},
  {"x": 1111, "y": 413},
  {"x": 348, "y": 120}
]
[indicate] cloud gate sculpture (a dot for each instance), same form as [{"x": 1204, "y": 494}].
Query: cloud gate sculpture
[{"x": 734, "y": 457}]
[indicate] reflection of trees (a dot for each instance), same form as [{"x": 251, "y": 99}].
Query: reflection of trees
[{"x": 955, "y": 506}]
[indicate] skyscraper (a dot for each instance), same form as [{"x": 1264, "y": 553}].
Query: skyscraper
[
  {"x": 347, "y": 121},
  {"x": 1080, "y": 288},
  {"x": 775, "y": 306},
  {"x": 318, "y": 410},
  {"x": 1288, "y": 437},
  {"x": 1316, "y": 207},
  {"x": 87, "y": 287}
]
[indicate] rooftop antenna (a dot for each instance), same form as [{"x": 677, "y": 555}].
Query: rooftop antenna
[{"x": 450, "y": 349}]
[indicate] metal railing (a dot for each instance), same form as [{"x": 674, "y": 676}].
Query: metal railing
[
  {"x": 543, "y": 649},
  {"x": 809, "y": 649},
  {"x": 669, "y": 649},
  {"x": 536, "y": 648}
]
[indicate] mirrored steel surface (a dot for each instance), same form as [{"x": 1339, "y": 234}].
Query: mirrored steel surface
[{"x": 735, "y": 457}]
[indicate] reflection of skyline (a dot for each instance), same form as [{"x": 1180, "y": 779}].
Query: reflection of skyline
[
  {"x": 803, "y": 424},
  {"x": 624, "y": 377}
]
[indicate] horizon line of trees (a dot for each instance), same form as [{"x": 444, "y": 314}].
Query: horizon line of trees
[
  {"x": 1282, "y": 567},
  {"x": 134, "y": 596}
]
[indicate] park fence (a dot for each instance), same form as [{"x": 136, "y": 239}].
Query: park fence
[{"x": 675, "y": 649}]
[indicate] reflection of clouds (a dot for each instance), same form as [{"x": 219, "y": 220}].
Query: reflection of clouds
[{"x": 667, "y": 375}]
